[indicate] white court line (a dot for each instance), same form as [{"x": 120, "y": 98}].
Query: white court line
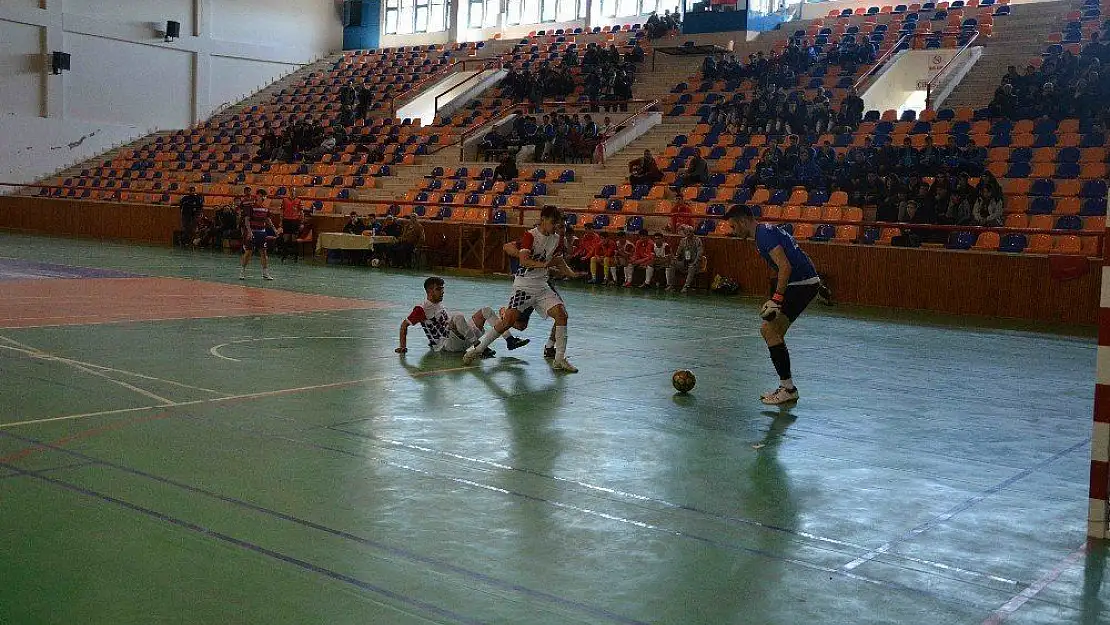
[
  {"x": 1007, "y": 610},
  {"x": 215, "y": 351},
  {"x": 214, "y": 400},
  {"x": 46, "y": 356},
  {"x": 35, "y": 353}
]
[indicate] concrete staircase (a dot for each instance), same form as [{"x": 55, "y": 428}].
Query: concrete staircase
[{"x": 1017, "y": 38}]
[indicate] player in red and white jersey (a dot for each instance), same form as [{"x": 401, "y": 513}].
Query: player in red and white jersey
[
  {"x": 541, "y": 249},
  {"x": 449, "y": 332},
  {"x": 258, "y": 231}
]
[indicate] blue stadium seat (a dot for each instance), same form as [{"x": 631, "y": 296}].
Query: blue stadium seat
[
  {"x": 634, "y": 224},
  {"x": 1043, "y": 186},
  {"x": 1093, "y": 207},
  {"x": 706, "y": 227},
  {"x": 1019, "y": 170},
  {"x": 1069, "y": 222},
  {"x": 1014, "y": 243},
  {"x": 824, "y": 232},
  {"x": 1067, "y": 170},
  {"x": 614, "y": 205},
  {"x": 501, "y": 217},
  {"x": 1042, "y": 206},
  {"x": 960, "y": 240},
  {"x": 1093, "y": 188}
]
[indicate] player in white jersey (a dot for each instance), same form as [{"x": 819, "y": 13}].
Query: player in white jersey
[
  {"x": 448, "y": 332},
  {"x": 541, "y": 249}
]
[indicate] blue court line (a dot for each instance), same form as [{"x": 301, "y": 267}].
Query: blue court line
[
  {"x": 397, "y": 551},
  {"x": 238, "y": 542},
  {"x": 75, "y": 465}
]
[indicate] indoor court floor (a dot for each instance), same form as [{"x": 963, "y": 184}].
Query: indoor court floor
[{"x": 177, "y": 446}]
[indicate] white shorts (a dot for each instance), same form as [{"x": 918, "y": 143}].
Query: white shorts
[
  {"x": 462, "y": 335},
  {"x": 542, "y": 300}
]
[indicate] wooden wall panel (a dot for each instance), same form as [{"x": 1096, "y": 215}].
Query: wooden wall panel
[{"x": 969, "y": 283}]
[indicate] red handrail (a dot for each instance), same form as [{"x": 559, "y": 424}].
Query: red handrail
[{"x": 944, "y": 68}]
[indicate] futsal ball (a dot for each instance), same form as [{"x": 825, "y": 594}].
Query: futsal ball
[
  {"x": 376, "y": 262},
  {"x": 683, "y": 381}
]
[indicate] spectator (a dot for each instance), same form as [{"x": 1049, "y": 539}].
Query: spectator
[
  {"x": 697, "y": 172},
  {"x": 506, "y": 170},
  {"x": 192, "y": 207},
  {"x": 412, "y": 237},
  {"x": 642, "y": 256},
  {"x": 644, "y": 170},
  {"x": 687, "y": 259},
  {"x": 292, "y": 214},
  {"x": 988, "y": 207},
  {"x": 354, "y": 224}
]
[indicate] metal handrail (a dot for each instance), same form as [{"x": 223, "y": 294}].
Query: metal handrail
[
  {"x": 943, "y": 69},
  {"x": 882, "y": 60},
  {"x": 489, "y": 65},
  {"x": 420, "y": 84},
  {"x": 611, "y": 132}
]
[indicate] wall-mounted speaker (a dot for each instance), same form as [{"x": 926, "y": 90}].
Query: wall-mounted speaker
[
  {"x": 173, "y": 30},
  {"x": 59, "y": 62}
]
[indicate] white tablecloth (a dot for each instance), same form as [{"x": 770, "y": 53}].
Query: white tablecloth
[{"x": 342, "y": 241}]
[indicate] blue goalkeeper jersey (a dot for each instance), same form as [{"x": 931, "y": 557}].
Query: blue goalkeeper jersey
[{"x": 768, "y": 237}]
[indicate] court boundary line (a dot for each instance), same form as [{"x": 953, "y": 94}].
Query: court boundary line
[
  {"x": 345, "y": 535},
  {"x": 671, "y": 505},
  {"x": 930, "y": 523},
  {"x": 247, "y": 545},
  {"x": 1014, "y": 604},
  {"x": 225, "y": 398}
]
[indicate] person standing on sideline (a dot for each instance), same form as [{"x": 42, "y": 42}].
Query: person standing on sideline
[
  {"x": 796, "y": 286},
  {"x": 258, "y": 231},
  {"x": 192, "y": 206}
]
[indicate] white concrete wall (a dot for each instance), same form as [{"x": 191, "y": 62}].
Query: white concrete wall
[
  {"x": 903, "y": 77},
  {"x": 123, "y": 73},
  {"x": 36, "y": 146}
]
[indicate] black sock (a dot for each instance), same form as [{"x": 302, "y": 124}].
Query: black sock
[{"x": 780, "y": 357}]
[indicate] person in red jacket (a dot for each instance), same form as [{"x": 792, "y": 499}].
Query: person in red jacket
[
  {"x": 642, "y": 256},
  {"x": 584, "y": 250},
  {"x": 606, "y": 248}
]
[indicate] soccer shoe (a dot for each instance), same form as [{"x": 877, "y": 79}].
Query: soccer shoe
[
  {"x": 515, "y": 342},
  {"x": 781, "y": 395},
  {"x": 646, "y": 285},
  {"x": 549, "y": 353},
  {"x": 628, "y": 285},
  {"x": 471, "y": 355},
  {"x": 267, "y": 276},
  {"x": 824, "y": 295},
  {"x": 488, "y": 353},
  {"x": 564, "y": 365},
  {"x": 242, "y": 276}
]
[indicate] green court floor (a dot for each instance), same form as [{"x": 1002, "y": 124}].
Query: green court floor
[{"x": 291, "y": 468}]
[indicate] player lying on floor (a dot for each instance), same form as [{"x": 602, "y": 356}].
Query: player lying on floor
[{"x": 452, "y": 333}]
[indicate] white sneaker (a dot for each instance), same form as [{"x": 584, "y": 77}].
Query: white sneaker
[
  {"x": 471, "y": 355},
  {"x": 267, "y": 276},
  {"x": 781, "y": 395},
  {"x": 563, "y": 365},
  {"x": 242, "y": 276}
]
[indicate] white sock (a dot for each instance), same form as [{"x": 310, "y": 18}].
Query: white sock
[
  {"x": 560, "y": 342},
  {"x": 613, "y": 272},
  {"x": 487, "y": 338},
  {"x": 649, "y": 272},
  {"x": 628, "y": 269}
]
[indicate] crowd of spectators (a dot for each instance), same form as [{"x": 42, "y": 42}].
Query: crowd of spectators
[
  {"x": 1065, "y": 86},
  {"x": 558, "y": 137},
  {"x": 606, "y": 75},
  {"x": 661, "y": 26},
  {"x": 301, "y": 140}
]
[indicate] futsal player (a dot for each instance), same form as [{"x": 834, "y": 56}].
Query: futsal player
[
  {"x": 446, "y": 332},
  {"x": 258, "y": 231},
  {"x": 541, "y": 249},
  {"x": 796, "y": 285},
  {"x": 512, "y": 249}
]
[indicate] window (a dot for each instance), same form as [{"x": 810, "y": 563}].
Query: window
[
  {"x": 627, "y": 8},
  {"x": 544, "y": 11},
  {"x": 404, "y": 17},
  {"x": 483, "y": 13}
]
